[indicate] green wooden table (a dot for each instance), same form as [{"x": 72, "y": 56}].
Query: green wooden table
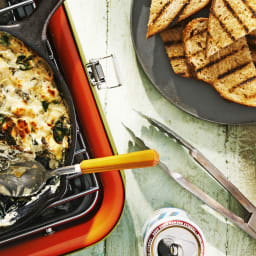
[{"x": 103, "y": 28}]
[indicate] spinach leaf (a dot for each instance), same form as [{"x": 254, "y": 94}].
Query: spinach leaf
[
  {"x": 24, "y": 62},
  {"x": 4, "y": 40},
  {"x": 5, "y": 134},
  {"x": 45, "y": 105},
  {"x": 10, "y": 140},
  {"x": 60, "y": 131},
  {"x": 2, "y": 118}
]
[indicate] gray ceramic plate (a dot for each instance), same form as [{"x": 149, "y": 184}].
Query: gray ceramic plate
[{"x": 194, "y": 97}]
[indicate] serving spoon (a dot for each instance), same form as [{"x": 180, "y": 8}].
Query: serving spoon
[{"x": 24, "y": 179}]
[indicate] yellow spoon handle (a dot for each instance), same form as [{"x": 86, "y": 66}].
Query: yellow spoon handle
[{"x": 139, "y": 159}]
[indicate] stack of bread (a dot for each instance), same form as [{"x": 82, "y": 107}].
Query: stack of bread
[{"x": 220, "y": 49}]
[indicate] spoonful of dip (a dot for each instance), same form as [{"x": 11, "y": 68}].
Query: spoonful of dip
[{"x": 23, "y": 179}]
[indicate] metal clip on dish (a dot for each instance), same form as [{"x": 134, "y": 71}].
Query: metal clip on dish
[
  {"x": 250, "y": 226},
  {"x": 96, "y": 73}
]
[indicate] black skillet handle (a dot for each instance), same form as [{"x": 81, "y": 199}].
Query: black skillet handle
[{"x": 32, "y": 30}]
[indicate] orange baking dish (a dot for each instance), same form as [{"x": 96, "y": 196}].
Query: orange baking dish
[{"x": 107, "y": 216}]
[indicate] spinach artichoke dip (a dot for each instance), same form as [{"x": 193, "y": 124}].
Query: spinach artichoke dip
[{"x": 34, "y": 121}]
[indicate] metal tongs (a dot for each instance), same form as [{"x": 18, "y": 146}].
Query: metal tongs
[{"x": 250, "y": 226}]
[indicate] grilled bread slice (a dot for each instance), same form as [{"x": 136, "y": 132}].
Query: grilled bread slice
[
  {"x": 251, "y": 40},
  {"x": 231, "y": 71},
  {"x": 229, "y": 20},
  {"x": 165, "y": 12},
  {"x": 192, "y": 7},
  {"x": 208, "y": 69},
  {"x": 172, "y": 39}
]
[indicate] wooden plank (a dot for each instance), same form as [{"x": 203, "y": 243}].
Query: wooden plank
[
  {"x": 90, "y": 18},
  {"x": 98, "y": 250},
  {"x": 241, "y": 146},
  {"x": 123, "y": 241},
  {"x": 104, "y": 28}
]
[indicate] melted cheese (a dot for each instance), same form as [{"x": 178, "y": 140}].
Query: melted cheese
[{"x": 30, "y": 98}]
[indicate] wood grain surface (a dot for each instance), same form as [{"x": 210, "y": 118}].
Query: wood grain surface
[{"x": 103, "y": 27}]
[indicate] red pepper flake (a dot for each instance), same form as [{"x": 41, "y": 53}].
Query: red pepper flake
[
  {"x": 22, "y": 124},
  {"x": 52, "y": 92},
  {"x": 22, "y": 134},
  {"x": 27, "y": 130}
]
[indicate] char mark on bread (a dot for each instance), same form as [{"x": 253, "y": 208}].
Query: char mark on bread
[
  {"x": 177, "y": 57},
  {"x": 233, "y": 70},
  {"x": 223, "y": 26},
  {"x": 195, "y": 32},
  {"x": 181, "y": 74},
  {"x": 218, "y": 60},
  {"x": 232, "y": 89},
  {"x": 164, "y": 13},
  {"x": 250, "y": 8},
  {"x": 233, "y": 12},
  {"x": 160, "y": 13},
  {"x": 181, "y": 11},
  {"x": 235, "y": 18},
  {"x": 172, "y": 42}
]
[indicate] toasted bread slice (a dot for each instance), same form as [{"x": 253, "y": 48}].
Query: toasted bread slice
[
  {"x": 192, "y": 7},
  {"x": 165, "y": 12},
  {"x": 172, "y": 39},
  {"x": 231, "y": 71},
  {"x": 251, "y": 40},
  {"x": 208, "y": 69},
  {"x": 229, "y": 20}
]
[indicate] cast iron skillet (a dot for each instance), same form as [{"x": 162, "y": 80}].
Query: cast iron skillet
[
  {"x": 194, "y": 97},
  {"x": 32, "y": 31}
]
